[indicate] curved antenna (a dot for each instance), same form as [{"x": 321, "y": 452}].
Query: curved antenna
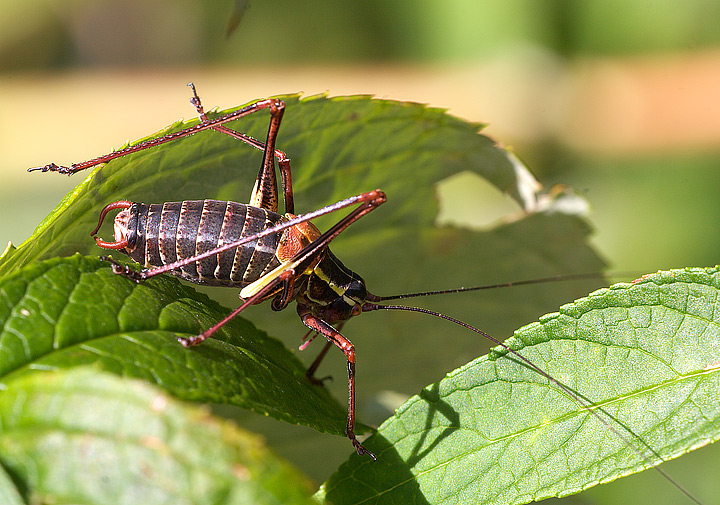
[{"x": 626, "y": 435}]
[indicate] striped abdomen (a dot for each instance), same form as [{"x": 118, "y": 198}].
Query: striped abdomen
[{"x": 162, "y": 233}]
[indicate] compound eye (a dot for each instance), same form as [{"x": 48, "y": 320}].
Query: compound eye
[{"x": 356, "y": 290}]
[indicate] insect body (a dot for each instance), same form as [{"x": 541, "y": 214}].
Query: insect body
[
  {"x": 159, "y": 234},
  {"x": 266, "y": 254}
]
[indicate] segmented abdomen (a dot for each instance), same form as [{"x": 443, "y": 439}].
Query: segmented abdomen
[{"x": 171, "y": 231}]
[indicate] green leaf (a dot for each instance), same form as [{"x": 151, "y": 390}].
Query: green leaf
[
  {"x": 62, "y": 313},
  {"x": 82, "y": 436},
  {"x": 494, "y": 431}
]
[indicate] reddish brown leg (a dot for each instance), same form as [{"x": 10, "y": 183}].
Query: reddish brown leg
[
  {"x": 310, "y": 374},
  {"x": 272, "y": 104},
  {"x": 334, "y": 337},
  {"x": 265, "y": 191},
  {"x": 286, "y": 277}
]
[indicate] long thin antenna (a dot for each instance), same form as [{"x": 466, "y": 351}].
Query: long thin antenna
[
  {"x": 555, "y": 278},
  {"x": 583, "y": 401}
]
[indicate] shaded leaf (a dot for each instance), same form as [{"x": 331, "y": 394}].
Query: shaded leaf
[
  {"x": 62, "y": 313},
  {"x": 496, "y": 432},
  {"x": 81, "y": 436}
]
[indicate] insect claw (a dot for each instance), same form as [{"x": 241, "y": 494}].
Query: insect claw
[
  {"x": 359, "y": 448},
  {"x": 124, "y": 270},
  {"x": 188, "y": 342},
  {"x": 51, "y": 167},
  {"x": 365, "y": 451}
]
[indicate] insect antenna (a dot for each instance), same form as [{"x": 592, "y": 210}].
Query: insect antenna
[
  {"x": 542, "y": 280},
  {"x": 617, "y": 427}
]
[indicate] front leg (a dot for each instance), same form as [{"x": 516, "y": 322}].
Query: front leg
[
  {"x": 334, "y": 336},
  {"x": 286, "y": 276}
]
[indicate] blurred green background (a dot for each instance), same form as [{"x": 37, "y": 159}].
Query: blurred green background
[{"x": 617, "y": 99}]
